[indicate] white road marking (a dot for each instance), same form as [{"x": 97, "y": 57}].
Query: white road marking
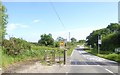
[
  {"x": 66, "y": 73},
  {"x": 72, "y": 53},
  {"x": 97, "y": 59},
  {"x": 108, "y": 70},
  {"x": 105, "y": 68}
]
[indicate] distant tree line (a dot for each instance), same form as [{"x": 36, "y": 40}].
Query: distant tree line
[{"x": 47, "y": 40}]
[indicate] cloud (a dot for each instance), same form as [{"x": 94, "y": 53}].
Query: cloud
[
  {"x": 36, "y": 21},
  {"x": 23, "y": 26},
  {"x": 14, "y": 26},
  {"x": 11, "y": 26}
]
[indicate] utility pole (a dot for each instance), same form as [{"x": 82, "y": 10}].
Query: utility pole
[
  {"x": 65, "y": 56},
  {"x": 69, "y": 36},
  {"x": 99, "y": 42}
]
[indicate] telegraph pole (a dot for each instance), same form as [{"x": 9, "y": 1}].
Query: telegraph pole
[
  {"x": 69, "y": 36},
  {"x": 99, "y": 42}
]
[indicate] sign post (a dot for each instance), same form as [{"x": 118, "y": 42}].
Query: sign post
[
  {"x": 99, "y": 43},
  {"x": 65, "y": 56},
  {"x": 62, "y": 46}
]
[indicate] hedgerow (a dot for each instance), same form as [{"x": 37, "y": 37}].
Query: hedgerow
[{"x": 15, "y": 46}]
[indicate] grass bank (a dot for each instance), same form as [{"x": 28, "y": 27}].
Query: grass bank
[{"x": 105, "y": 54}]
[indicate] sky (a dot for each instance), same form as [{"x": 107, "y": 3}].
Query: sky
[{"x": 29, "y": 20}]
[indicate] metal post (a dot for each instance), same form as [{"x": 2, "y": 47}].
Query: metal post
[
  {"x": 54, "y": 56},
  {"x": 98, "y": 49},
  {"x": 90, "y": 47},
  {"x": 69, "y": 36},
  {"x": 98, "y": 44},
  {"x": 65, "y": 56},
  {"x": 59, "y": 56}
]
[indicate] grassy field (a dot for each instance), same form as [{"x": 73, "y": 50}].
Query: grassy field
[{"x": 37, "y": 52}]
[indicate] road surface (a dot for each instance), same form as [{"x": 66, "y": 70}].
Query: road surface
[
  {"x": 84, "y": 62},
  {"x": 79, "y": 62}
]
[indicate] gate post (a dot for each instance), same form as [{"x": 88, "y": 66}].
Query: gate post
[{"x": 65, "y": 56}]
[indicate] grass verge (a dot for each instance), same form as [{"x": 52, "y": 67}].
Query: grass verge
[{"x": 106, "y": 55}]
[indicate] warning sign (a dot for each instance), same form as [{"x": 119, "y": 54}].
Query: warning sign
[{"x": 62, "y": 44}]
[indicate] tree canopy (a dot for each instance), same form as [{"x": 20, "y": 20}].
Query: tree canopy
[
  {"x": 60, "y": 38},
  {"x": 4, "y": 21},
  {"x": 110, "y": 37},
  {"x": 73, "y": 40},
  {"x": 46, "y": 40}
]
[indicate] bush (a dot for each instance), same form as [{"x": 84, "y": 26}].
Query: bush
[
  {"x": 111, "y": 42},
  {"x": 15, "y": 46},
  {"x": 113, "y": 57},
  {"x": 118, "y": 59},
  {"x": 56, "y": 44}
]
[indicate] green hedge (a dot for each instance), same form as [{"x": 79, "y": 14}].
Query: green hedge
[{"x": 111, "y": 42}]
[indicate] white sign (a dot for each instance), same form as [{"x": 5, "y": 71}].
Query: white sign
[{"x": 99, "y": 42}]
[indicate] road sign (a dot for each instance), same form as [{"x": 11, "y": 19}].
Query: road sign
[
  {"x": 62, "y": 44},
  {"x": 99, "y": 42}
]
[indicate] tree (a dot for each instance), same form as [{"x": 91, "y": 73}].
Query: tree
[
  {"x": 110, "y": 37},
  {"x": 60, "y": 38},
  {"x": 46, "y": 40},
  {"x": 114, "y": 27},
  {"x": 81, "y": 41},
  {"x": 73, "y": 40},
  {"x": 4, "y": 21}
]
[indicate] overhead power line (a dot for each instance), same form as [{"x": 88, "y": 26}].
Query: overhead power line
[
  {"x": 57, "y": 15},
  {"x": 59, "y": 18}
]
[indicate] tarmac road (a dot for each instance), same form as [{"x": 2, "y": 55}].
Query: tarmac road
[{"x": 83, "y": 62}]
